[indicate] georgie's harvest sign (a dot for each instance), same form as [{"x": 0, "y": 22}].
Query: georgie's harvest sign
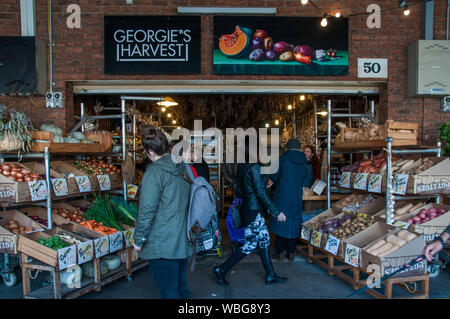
[{"x": 152, "y": 45}]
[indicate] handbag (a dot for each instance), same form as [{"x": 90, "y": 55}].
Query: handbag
[{"x": 237, "y": 221}]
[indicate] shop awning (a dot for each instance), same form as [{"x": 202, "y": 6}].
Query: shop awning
[{"x": 225, "y": 87}]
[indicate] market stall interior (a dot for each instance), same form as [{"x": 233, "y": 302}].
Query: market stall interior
[{"x": 377, "y": 179}]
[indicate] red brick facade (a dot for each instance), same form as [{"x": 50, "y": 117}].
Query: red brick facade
[{"x": 78, "y": 53}]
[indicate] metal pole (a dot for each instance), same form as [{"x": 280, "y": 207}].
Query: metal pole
[
  {"x": 124, "y": 145},
  {"x": 438, "y": 198},
  {"x": 50, "y": 44},
  {"x": 329, "y": 157},
  {"x": 82, "y": 115},
  {"x": 295, "y": 127},
  {"x": 134, "y": 132},
  {"x": 49, "y": 188},
  {"x": 315, "y": 124},
  {"x": 389, "y": 195}
]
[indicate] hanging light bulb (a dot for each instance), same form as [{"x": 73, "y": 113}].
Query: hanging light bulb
[
  {"x": 163, "y": 109},
  {"x": 337, "y": 14},
  {"x": 304, "y": 2},
  {"x": 168, "y": 101},
  {"x": 289, "y": 107},
  {"x": 406, "y": 11},
  {"x": 302, "y": 97},
  {"x": 174, "y": 122},
  {"x": 169, "y": 115},
  {"x": 267, "y": 125},
  {"x": 324, "y": 21},
  {"x": 277, "y": 122}
]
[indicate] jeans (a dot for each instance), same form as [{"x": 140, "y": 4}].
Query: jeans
[
  {"x": 170, "y": 277},
  {"x": 282, "y": 244}
]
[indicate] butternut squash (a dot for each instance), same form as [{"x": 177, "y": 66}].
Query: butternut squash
[
  {"x": 382, "y": 249},
  {"x": 395, "y": 240},
  {"x": 378, "y": 244},
  {"x": 387, "y": 252}
]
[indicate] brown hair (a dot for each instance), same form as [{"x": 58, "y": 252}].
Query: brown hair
[
  {"x": 154, "y": 140},
  {"x": 313, "y": 153}
]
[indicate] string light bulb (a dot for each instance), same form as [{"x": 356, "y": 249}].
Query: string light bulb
[
  {"x": 302, "y": 97},
  {"x": 304, "y": 2},
  {"x": 267, "y": 125},
  {"x": 174, "y": 122},
  {"x": 163, "y": 109},
  {"x": 406, "y": 11},
  {"x": 277, "y": 122},
  {"x": 169, "y": 115},
  {"x": 289, "y": 107},
  {"x": 324, "y": 21},
  {"x": 337, "y": 14}
]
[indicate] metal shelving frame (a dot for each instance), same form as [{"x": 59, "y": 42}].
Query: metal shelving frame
[{"x": 390, "y": 198}]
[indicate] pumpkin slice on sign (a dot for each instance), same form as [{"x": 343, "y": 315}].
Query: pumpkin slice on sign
[{"x": 236, "y": 44}]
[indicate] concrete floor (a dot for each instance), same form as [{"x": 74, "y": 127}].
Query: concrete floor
[{"x": 246, "y": 280}]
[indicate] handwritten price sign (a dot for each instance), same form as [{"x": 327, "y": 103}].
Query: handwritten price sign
[
  {"x": 104, "y": 182},
  {"x": 332, "y": 244},
  {"x": 84, "y": 184},
  {"x": 38, "y": 190},
  {"x": 306, "y": 233},
  {"x": 115, "y": 242},
  {"x": 60, "y": 186},
  {"x": 352, "y": 255},
  {"x": 101, "y": 246},
  {"x": 67, "y": 257},
  {"x": 375, "y": 181},
  {"x": 360, "y": 181},
  {"x": 316, "y": 237},
  {"x": 85, "y": 252},
  {"x": 345, "y": 179},
  {"x": 400, "y": 183},
  {"x": 128, "y": 234}
]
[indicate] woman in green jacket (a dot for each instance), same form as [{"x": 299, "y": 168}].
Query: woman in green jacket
[{"x": 160, "y": 233}]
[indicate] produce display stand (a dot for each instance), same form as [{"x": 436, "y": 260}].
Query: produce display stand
[
  {"x": 328, "y": 261},
  {"x": 56, "y": 289}
]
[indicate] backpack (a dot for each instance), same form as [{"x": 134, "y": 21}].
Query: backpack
[
  {"x": 202, "y": 204},
  {"x": 202, "y": 207}
]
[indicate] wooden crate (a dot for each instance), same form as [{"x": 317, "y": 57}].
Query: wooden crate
[
  {"x": 401, "y": 130},
  {"x": 42, "y": 213},
  {"x": 63, "y": 147},
  {"x": 66, "y": 169},
  {"x": 8, "y": 240}
]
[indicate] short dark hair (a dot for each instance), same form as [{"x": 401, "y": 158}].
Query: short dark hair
[{"x": 154, "y": 140}]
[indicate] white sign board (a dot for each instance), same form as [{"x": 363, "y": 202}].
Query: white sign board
[{"x": 373, "y": 68}]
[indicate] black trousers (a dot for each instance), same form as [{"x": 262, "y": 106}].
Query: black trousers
[{"x": 285, "y": 244}]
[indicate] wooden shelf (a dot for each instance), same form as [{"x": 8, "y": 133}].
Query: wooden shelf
[{"x": 323, "y": 197}]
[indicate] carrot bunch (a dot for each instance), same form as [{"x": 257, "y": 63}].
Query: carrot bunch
[{"x": 98, "y": 227}]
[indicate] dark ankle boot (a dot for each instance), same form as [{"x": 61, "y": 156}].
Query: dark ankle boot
[
  {"x": 271, "y": 277},
  {"x": 220, "y": 271}
]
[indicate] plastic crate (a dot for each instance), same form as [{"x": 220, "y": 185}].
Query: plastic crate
[{"x": 307, "y": 215}]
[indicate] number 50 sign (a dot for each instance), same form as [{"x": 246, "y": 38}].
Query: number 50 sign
[{"x": 372, "y": 68}]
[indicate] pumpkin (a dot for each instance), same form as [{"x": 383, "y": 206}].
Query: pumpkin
[
  {"x": 78, "y": 135},
  {"x": 51, "y": 128},
  {"x": 236, "y": 44},
  {"x": 113, "y": 261},
  {"x": 10, "y": 142},
  {"x": 71, "y": 276},
  {"x": 58, "y": 139}
]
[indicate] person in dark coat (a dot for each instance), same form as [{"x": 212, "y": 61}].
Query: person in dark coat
[
  {"x": 252, "y": 189},
  {"x": 293, "y": 174}
]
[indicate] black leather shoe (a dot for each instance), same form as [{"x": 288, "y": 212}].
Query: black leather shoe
[
  {"x": 271, "y": 277},
  {"x": 220, "y": 276}
]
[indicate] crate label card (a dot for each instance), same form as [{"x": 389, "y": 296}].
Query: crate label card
[
  {"x": 332, "y": 244},
  {"x": 105, "y": 182},
  {"x": 352, "y": 255},
  {"x": 128, "y": 235},
  {"x": 375, "y": 181},
  {"x": 132, "y": 190},
  {"x": 316, "y": 237},
  {"x": 101, "y": 246},
  {"x": 7, "y": 191},
  {"x": 84, "y": 184},
  {"x": 345, "y": 179},
  {"x": 67, "y": 257},
  {"x": 360, "y": 181},
  {"x": 60, "y": 186},
  {"x": 7, "y": 245},
  {"x": 306, "y": 233},
  {"x": 38, "y": 190},
  {"x": 399, "y": 224},
  {"x": 115, "y": 242},
  {"x": 400, "y": 183},
  {"x": 85, "y": 252}
]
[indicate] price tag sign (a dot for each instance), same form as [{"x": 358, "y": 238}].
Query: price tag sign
[
  {"x": 132, "y": 191},
  {"x": 375, "y": 181},
  {"x": 128, "y": 235},
  {"x": 85, "y": 252},
  {"x": 360, "y": 181},
  {"x": 352, "y": 255},
  {"x": 345, "y": 179},
  {"x": 105, "y": 182},
  {"x": 305, "y": 233},
  {"x": 399, "y": 184},
  {"x": 67, "y": 257},
  {"x": 332, "y": 244},
  {"x": 373, "y": 68},
  {"x": 362, "y": 215},
  {"x": 115, "y": 242},
  {"x": 316, "y": 237},
  {"x": 101, "y": 246},
  {"x": 399, "y": 224},
  {"x": 84, "y": 184},
  {"x": 38, "y": 190},
  {"x": 60, "y": 186}
]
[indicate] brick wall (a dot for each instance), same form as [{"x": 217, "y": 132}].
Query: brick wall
[{"x": 78, "y": 53}]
